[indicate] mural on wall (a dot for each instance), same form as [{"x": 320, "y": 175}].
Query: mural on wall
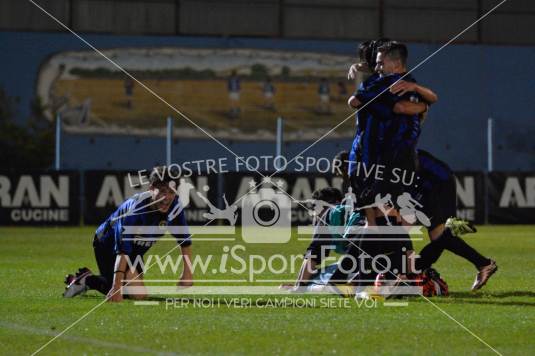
[{"x": 233, "y": 93}]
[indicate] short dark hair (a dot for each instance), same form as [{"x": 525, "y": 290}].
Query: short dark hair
[
  {"x": 328, "y": 195},
  {"x": 395, "y": 50},
  {"x": 162, "y": 175},
  {"x": 374, "y": 49},
  {"x": 365, "y": 52}
]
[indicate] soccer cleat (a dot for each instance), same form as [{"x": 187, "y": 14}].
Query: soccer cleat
[
  {"x": 459, "y": 227},
  {"x": 484, "y": 274},
  {"x": 432, "y": 284},
  {"x": 76, "y": 284}
]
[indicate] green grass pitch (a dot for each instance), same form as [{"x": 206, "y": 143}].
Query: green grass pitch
[{"x": 33, "y": 262}]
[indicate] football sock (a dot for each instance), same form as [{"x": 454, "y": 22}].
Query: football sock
[
  {"x": 98, "y": 283},
  {"x": 447, "y": 241},
  {"x": 459, "y": 247}
]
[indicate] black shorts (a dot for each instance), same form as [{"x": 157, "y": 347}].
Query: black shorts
[
  {"x": 396, "y": 165},
  {"x": 440, "y": 202},
  {"x": 400, "y": 166},
  {"x": 105, "y": 257},
  {"x": 364, "y": 188}
]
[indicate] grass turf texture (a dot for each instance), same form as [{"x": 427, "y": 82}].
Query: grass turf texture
[{"x": 34, "y": 261}]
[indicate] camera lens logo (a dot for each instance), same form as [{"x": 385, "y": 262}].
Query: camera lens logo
[
  {"x": 266, "y": 213},
  {"x": 266, "y": 216}
]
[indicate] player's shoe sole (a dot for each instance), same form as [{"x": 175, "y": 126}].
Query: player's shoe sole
[{"x": 73, "y": 290}]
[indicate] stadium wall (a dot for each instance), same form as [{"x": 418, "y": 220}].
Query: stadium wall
[
  {"x": 415, "y": 20},
  {"x": 474, "y": 82}
]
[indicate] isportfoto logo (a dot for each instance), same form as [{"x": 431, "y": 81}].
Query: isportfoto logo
[{"x": 239, "y": 263}]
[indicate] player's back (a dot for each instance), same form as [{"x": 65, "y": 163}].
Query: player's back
[
  {"x": 387, "y": 132},
  {"x": 139, "y": 212},
  {"x": 431, "y": 168}
]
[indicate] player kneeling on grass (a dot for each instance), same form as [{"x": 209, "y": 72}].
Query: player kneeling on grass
[
  {"x": 119, "y": 252},
  {"x": 330, "y": 225}
]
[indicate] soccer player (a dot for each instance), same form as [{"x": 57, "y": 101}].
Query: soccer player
[
  {"x": 445, "y": 206},
  {"x": 363, "y": 249},
  {"x": 438, "y": 181},
  {"x": 331, "y": 217},
  {"x": 437, "y": 193},
  {"x": 387, "y": 130},
  {"x": 360, "y": 251},
  {"x": 117, "y": 251},
  {"x": 388, "y": 125}
]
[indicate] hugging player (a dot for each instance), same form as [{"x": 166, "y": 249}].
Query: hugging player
[{"x": 437, "y": 189}]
